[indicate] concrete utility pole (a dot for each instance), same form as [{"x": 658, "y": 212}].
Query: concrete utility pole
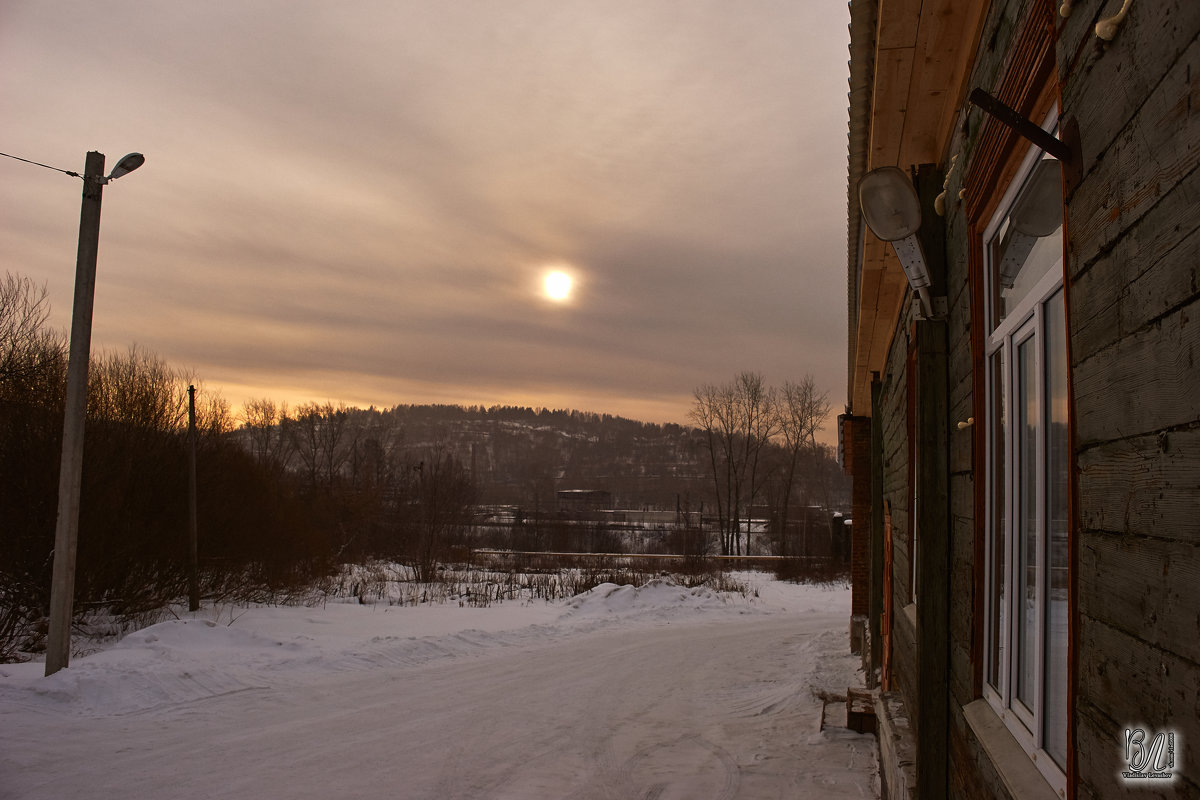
[
  {"x": 193, "y": 560},
  {"x": 62, "y": 587}
]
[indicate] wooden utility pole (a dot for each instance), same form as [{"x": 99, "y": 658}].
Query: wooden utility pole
[
  {"x": 70, "y": 476},
  {"x": 193, "y": 559}
]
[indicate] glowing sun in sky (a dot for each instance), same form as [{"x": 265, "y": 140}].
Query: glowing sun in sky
[{"x": 557, "y": 285}]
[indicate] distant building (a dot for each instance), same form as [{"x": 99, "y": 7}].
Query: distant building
[
  {"x": 582, "y": 501},
  {"x": 1024, "y": 439}
]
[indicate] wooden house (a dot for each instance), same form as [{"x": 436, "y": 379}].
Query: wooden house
[{"x": 1023, "y": 412}]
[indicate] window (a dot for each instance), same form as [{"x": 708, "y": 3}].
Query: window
[{"x": 1027, "y": 464}]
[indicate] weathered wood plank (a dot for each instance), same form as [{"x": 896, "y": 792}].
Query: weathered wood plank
[
  {"x": 962, "y": 504},
  {"x": 898, "y": 23},
  {"x": 962, "y": 453},
  {"x": 893, "y": 71},
  {"x": 1125, "y": 682},
  {"x": 1170, "y": 281},
  {"x": 904, "y": 661},
  {"x": 1153, "y": 268},
  {"x": 1111, "y": 81},
  {"x": 1154, "y": 152},
  {"x": 1146, "y": 588},
  {"x": 1144, "y": 383},
  {"x": 881, "y": 302},
  {"x": 1100, "y": 759},
  {"x": 961, "y": 681},
  {"x": 1148, "y": 486},
  {"x": 962, "y": 602},
  {"x": 947, "y": 34}
]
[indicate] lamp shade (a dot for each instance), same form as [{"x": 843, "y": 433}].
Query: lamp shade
[
  {"x": 1039, "y": 209},
  {"x": 889, "y": 203},
  {"x": 127, "y": 164}
]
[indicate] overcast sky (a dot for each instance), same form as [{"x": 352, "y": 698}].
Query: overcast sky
[{"x": 357, "y": 201}]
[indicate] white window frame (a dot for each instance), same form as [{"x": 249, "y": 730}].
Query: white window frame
[{"x": 1026, "y": 319}]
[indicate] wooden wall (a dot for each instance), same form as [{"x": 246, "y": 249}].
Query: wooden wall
[
  {"x": 1133, "y": 264},
  {"x": 893, "y": 420},
  {"x": 1133, "y": 230},
  {"x": 1134, "y": 317}
]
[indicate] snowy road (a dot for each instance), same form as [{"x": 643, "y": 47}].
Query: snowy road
[{"x": 693, "y": 708}]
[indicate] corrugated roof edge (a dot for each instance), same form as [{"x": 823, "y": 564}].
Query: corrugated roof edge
[{"x": 864, "y": 15}]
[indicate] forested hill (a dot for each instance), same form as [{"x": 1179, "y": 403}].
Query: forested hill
[{"x": 522, "y": 456}]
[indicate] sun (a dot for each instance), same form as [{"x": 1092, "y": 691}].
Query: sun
[{"x": 557, "y": 285}]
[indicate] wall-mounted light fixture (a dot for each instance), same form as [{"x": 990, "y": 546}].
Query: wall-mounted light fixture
[{"x": 892, "y": 211}]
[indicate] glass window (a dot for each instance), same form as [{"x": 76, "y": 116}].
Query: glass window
[
  {"x": 1028, "y": 243},
  {"x": 1028, "y": 466},
  {"x": 1027, "y": 536},
  {"x": 1058, "y": 520}
]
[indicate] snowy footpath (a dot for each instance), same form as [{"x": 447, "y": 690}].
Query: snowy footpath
[{"x": 620, "y": 693}]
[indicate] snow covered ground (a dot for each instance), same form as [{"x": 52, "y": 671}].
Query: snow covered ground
[{"x": 652, "y": 692}]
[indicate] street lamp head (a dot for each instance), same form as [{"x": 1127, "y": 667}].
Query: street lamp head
[
  {"x": 892, "y": 211},
  {"x": 889, "y": 203},
  {"x": 126, "y": 165}
]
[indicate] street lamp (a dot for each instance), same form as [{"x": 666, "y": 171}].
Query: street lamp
[
  {"x": 892, "y": 211},
  {"x": 62, "y": 587}
]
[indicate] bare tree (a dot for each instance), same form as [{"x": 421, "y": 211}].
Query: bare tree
[
  {"x": 29, "y": 353},
  {"x": 262, "y": 421},
  {"x": 322, "y": 439},
  {"x": 137, "y": 389},
  {"x": 373, "y": 459},
  {"x": 801, "y": 411},
  {"x": 738, "y": 420},
  {"x": 444, "y": 494}
]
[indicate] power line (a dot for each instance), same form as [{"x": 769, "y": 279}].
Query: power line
[{"x": 40, "y": 164}]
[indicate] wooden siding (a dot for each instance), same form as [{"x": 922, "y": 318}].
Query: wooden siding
[
  {"x": 893, "y": 421},
  {"x": 1133, "y": 281},
  {"x": 1134, "y": 240}
]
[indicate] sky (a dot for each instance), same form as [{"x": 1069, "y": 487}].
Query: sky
[{"x": 359, "y": 201}]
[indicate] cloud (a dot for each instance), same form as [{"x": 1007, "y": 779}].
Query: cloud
[{"x": 355, "y": 201}]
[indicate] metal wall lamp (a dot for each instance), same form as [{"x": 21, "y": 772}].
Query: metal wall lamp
[{"x": 892, "y": 211}]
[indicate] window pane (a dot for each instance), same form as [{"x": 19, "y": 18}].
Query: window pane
[
  {"x": 1058, "y": 521},
  {"x": 1029, "y": 242},
  {"x": 998, "y": 614},
  {"x": 1027, "y": 409}
]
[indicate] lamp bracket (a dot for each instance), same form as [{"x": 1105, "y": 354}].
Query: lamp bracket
[
  {"x": 1020, "y": 125},
  {"x": 925, "y": 307}
]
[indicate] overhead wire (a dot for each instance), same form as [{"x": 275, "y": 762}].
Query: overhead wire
[{"x": 40, "y": 164}]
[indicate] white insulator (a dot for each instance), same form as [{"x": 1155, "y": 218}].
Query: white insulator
[{"x": 1107, "y": 28}]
